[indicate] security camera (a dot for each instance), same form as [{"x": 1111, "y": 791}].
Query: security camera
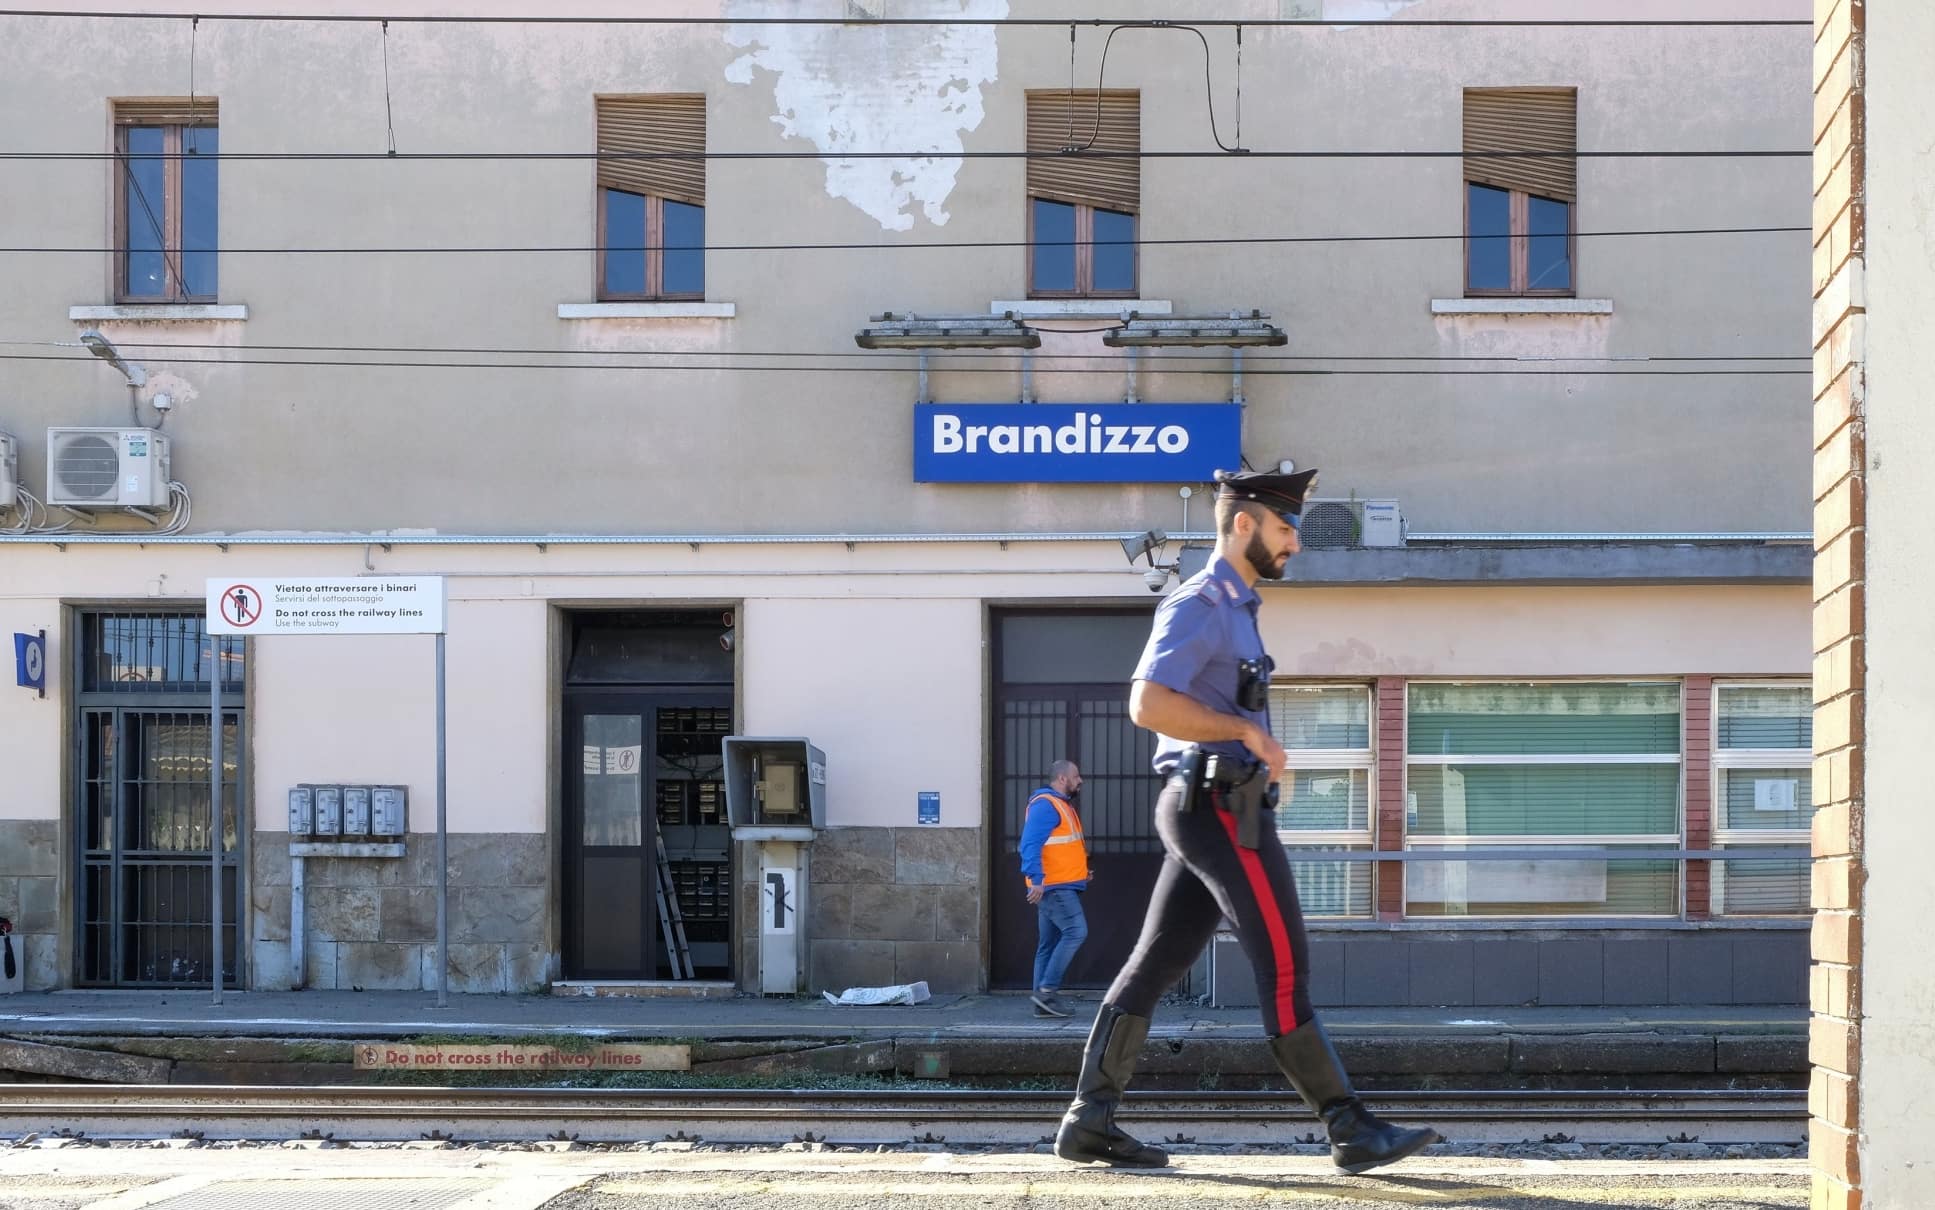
[{"x": 1157, "y": 578}]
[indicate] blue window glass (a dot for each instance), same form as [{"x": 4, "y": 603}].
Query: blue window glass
[
  {"x": 624, "y": 241},
  {"x": 1488, "y": 227},
  {"x": 684, "y": 240},
  {"x": 1549, "y": 260},
  {"x": 145, "y": 202},
  {"x": 1053, "y": 259},
  {"x": 1114, "y": 251},
  {"x": 199, "y": 145}
]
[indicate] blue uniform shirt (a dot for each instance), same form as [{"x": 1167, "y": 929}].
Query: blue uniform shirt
[{"x": 1202, "y": 632}]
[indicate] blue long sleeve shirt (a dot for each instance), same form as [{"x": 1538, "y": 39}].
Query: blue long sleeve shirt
[{"x": 1042, "y": 820}]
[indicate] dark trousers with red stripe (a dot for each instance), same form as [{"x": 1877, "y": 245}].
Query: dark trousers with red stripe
[{"x": 1206, "y": 876}]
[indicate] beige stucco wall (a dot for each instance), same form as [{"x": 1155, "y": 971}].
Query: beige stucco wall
[
  {"x": 1537, "y": 632},
  {"x": 1897, "y": 988},
  {"x": 30, "y": 726},
  {"x": 876, "y": 653},
  {"x": 490, "y": 450},
  {"x": 889, "y": 688}
]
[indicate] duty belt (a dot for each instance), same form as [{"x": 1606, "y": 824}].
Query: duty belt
[{"x": 1232, "y": 784}]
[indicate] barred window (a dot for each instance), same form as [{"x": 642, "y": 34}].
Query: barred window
[
  {"x": 1542, "y": 766},
  {"x": 1763, "y": 795},
  {"x": 1326, "y": 731}
]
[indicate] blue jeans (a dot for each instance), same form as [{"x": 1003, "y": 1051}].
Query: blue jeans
[{"x": 1063, "y": 929}]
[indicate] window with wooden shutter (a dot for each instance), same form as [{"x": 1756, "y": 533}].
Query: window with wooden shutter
[
  {"x": 1084, "y": 189},
  {"x": 651, "y": 196},
  {"x": 1521, "y": 190},
  {"x": 166, "y": 172}
]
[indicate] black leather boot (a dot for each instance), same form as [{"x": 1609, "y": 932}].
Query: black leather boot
[
  {"x": 1359, "y": 1141},
  {"x": 1088, "y": 1132}
]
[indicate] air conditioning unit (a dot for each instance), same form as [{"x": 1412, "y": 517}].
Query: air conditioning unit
[
  {"x": 107, "y": 468},
  {"x": 9, "y": 471},
  {"x": 1342, "y": 524}
]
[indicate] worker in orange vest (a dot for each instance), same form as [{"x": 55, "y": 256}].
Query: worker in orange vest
[{"x": 1054, "y": 864}]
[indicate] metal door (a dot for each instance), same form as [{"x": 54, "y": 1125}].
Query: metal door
[
  {"x": 1037, "y": 721},
  {"x": 143, "y": 811}
]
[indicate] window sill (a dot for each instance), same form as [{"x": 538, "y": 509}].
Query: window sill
[
  {"x": 1521, "y": 306},
  {"x": 161, "y": 312},
  {"x": 648, "y": 310},
  {"x": 1055, "y": 308}
]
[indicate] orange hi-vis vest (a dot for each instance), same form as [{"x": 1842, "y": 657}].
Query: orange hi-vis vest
[{"x": 1064, "y": 857}]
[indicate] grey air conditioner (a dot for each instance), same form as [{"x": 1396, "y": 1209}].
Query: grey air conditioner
[
  {"x": 1342, "y": 524},
  {"x": 9, "y": 471},
  {"x": 107, "y": 468}
]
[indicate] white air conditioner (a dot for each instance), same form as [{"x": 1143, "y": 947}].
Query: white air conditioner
[
  {"x": 1339, "y": 524},
  {"x": 9, "y": 471},
  {"x": 107, "y": 468}
]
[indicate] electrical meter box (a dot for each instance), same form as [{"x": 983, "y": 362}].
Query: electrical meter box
[
  {"x": 302, "y": 810},
  {"x": 389, "y": 810},
  {"x": 775, "y": 782},
  {"x": 329, "y": 810},
  {"x": 356, "y": 810}
]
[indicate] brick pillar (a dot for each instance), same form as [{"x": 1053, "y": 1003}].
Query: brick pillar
[
  {"x": 1697, "y": 745},
  {"x": 1390, "y": 795},
  {"x": 1840, "y": 515}
]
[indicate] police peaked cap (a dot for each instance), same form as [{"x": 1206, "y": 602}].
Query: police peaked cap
[{"x": 1281, "y": 494}]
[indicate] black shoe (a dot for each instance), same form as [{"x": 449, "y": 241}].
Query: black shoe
[
  {"x": 1088, "y": 1132},
  {"x": 1359, "y": 1140},
  {"x": 1048, "y": 1004}
]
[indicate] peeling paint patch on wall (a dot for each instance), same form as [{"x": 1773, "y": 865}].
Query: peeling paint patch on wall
[{"x": 848, "y": 88}]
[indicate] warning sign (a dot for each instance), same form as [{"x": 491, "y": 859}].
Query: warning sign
[
  {"x": 601, "y": 1056},
  {"x": 372, "y": 605}
]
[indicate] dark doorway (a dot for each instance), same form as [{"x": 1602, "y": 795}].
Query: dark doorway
[
  {"x": 1062, "y": 690},
  {"x": 648, "y": 861},
  {"x": 143, "y": 812}
]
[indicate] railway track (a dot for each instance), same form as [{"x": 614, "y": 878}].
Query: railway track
[{"x": 774, "y": 1116}]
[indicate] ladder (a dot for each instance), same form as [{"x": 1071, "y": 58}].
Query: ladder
[{"x": 671, "y": 921}]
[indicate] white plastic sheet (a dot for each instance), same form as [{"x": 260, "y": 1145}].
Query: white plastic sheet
[{"x": 900, "y": 993}]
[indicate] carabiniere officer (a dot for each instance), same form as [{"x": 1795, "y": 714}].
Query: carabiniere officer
[{"x": 1203, "y": 685}]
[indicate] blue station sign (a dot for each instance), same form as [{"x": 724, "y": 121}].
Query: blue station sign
[{"x": 1075, "y": 442}]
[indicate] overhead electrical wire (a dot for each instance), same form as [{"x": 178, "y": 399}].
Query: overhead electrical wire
[
  {"x": 1146, "y": 367},
  {"x": 1015, "y": 22},
  {"x": 922, "y": 153},
  {"x": 930, "y": 245},
  {"x": 1251, "y": 357}
]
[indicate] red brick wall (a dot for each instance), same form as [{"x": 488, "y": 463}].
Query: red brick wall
[
  {"x": 1697, "y": 765},
  {"x": 1390, "y": 795}
]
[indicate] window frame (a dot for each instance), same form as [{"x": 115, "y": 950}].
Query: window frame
[
  {"x": 654, "y": 252},
  {"x": 175, "y": 280},
  {"x": 1725, "y": 759},
  {"x": 1309, "y": 845},
  {"x": 1085, "y": 253},
  {"x": 1518, "y": 232},
  {"x": 1533, "y": 842}
]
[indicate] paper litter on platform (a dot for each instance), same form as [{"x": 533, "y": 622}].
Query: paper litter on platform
[{"x": 900, "y": 993}]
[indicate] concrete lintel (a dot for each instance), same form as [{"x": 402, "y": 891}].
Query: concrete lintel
[{"x": 1598, "y": 563}]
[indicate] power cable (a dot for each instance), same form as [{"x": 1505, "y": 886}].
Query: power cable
[
  {"x": 931, "y": 154},
  {"x": 945, "y": 245},
  {"x": 1009, "y": 22},
  {"x": 876, "y": 369},
  {"x": 876, "y": 356}
]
